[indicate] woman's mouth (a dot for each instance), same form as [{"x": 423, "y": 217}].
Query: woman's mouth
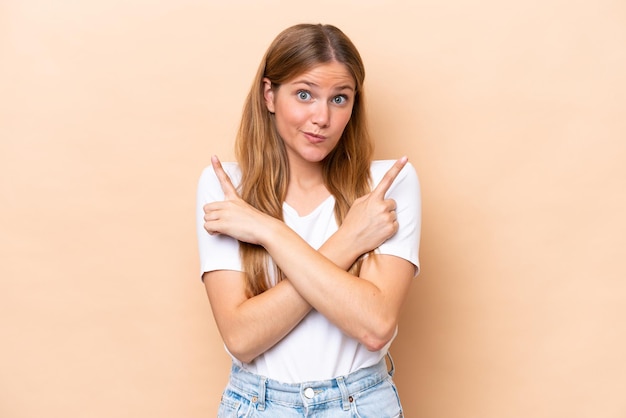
[{"x": 314, "y": 138}]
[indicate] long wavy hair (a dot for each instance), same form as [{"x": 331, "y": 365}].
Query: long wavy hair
[{"x": 261, "y": 152}]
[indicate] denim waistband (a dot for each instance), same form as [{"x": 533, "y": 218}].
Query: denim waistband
[{"x": 260, "y": 388}]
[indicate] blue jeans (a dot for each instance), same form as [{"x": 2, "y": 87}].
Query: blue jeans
[{"x": 365, "y": 393}]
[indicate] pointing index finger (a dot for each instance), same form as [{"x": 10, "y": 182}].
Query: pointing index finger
[
  {"x": 227, "y": 185},
  {"x": 389, "y": 177}
]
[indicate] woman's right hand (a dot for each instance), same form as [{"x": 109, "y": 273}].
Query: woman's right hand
[
  {"x": 233, "y": 216},
  {"x": 372, "y": 219}
]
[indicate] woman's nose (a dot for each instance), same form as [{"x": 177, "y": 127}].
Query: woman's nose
[{"x": 321, "y": 115}]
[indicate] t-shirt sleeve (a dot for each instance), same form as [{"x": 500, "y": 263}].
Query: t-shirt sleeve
[
  {"x": 217, "y": 252},
  {"x": 405, "y": 190}
]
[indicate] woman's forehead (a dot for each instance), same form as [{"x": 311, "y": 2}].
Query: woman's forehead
[{"x": 326, "y": 74}]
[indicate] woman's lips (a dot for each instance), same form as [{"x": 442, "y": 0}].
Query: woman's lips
[{"x": 314, "y": 138}]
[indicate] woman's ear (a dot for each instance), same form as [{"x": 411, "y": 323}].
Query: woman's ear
[{"x": 268, "y": 94}]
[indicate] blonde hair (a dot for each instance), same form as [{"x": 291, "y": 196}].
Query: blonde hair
[{"x": 261, "y": 153}]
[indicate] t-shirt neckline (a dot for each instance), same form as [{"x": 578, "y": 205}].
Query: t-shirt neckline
[{"x": 293, "y": 212}]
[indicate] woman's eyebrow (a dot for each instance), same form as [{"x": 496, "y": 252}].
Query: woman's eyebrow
[{"x": 346, "y": 87}]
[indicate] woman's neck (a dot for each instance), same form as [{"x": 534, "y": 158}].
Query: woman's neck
[
  {"x": 305, "y": 175},
  {"x": 306, "y": 189}
]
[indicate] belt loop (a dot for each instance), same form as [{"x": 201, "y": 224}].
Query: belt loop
[
  {"x": 393, "y": 367},
  {"x": 262, "y": 390},
  {"x": 345, "y": 401}
]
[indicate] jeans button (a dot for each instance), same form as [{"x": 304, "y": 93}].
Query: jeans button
[{"x": 309, "y": 393}]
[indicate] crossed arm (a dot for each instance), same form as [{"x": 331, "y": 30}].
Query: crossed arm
[{"x": 365, "y": 307}]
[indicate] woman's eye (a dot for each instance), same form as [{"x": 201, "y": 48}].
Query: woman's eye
[
  {"x": 340, "y": 99},
  {"x": 304, "y": 95}
]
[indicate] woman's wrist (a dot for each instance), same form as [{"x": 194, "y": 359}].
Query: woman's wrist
[
  {"x": 270, "y": 229},
  {"x": 348, "y": 242}
]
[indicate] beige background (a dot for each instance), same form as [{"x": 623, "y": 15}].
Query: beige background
[{"x": 512, "y": 112}]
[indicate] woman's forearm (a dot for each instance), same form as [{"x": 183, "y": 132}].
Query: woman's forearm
[
  {"x": 251, "y": 326},
  {"x": 366, "y": 309}
]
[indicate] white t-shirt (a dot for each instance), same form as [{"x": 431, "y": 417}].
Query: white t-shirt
[{"x": 315, "y": 349}]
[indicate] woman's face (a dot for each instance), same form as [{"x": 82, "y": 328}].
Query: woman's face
[{"x": 311, "y": 110}]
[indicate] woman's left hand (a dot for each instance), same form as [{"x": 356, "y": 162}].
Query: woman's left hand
[{"x": 233, "y": 216}]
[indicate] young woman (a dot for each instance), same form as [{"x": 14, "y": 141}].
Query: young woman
[{"x": 307, "y": 246}]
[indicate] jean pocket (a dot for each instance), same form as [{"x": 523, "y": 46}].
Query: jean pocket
[
  {"x": 233, "y": 405},
  {"x": 380, "y": 401}
]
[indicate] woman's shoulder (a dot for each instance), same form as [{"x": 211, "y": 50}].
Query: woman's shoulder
[{"x": 209, "y": 188}]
